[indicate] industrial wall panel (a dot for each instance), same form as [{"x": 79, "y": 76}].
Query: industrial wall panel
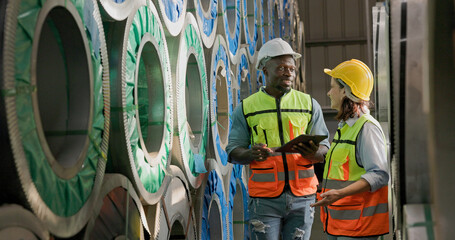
[
  {"x": 354, "y": 15},
  {"x": 317, "y": 18},
  {"x": 335, "y": 19},
  {"x": 314, "y": 80}
]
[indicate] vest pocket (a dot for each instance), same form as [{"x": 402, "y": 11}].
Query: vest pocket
[
  {"x": 304, "y": 176},
  {"x": 267, "y": 132},
  {"x": 264, "y": 177},
  {"x": 345, "y": 217},
  {"x": 297, "y": 125}
]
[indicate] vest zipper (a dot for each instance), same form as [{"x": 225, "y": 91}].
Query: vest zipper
[
  {"x": 326, "y": 177},
  {"x": 280, "y": 130}
]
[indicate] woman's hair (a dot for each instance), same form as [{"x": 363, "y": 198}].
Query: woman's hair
[{"x": 350, "y": 109}]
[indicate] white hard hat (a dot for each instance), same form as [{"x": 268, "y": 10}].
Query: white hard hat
[{"x": 273, "y": 48}]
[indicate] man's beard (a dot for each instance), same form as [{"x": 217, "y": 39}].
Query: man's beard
[{"x": 282, "y": 89}]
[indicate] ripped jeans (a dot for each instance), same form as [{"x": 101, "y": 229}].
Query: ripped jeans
[{"x": 288, "y": 215}]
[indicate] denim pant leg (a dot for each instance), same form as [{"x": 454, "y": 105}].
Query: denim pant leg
[
  {"x": 265, "y": 217},
  {"x": 299, "y": 219}
]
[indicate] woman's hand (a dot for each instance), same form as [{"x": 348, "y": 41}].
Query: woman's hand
[{"x": 328, "y": 198}]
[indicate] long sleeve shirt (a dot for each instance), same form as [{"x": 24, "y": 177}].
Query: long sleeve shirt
[{"x": 371, "y": 154}]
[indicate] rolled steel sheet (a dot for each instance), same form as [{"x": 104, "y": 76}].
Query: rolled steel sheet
[
  {"x": 258, "y": 80},
  {"x": 142, "y": 113},
  {"x": 118, "y": 213},
  {"x": 221, "y": 102},
  {"x": 17, "y": 223},
  {"x": 250, "y": 18},
  {"x": 116, "y": 10},
  {"x": 288, "y": 18},
  {"x": 173, "y": 217},
  {"x": 206, "y": 15},
  {"x": 236, "y": 189},
  {"x": 191, "y": 102},
  {"x": 242, "y": 83},
  {"x": 172, "y": 14},
  {"x": 276, "y": 18},
  {"x": 300, "y": 64},
  {"x": 55, "y": 116},
  {"x": 265, "y": 33},
  {"x": 229, "y": 24},
  {"x": 294, "y": 28},
  {"x": 210, "y": 206}
]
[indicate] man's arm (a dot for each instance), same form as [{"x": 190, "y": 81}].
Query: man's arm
[{"x": 239, "y": 138}]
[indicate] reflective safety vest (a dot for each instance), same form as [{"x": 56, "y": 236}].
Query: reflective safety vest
[
  {"x": 360, "y": 215},
  {"x": 274, "y": 122}
]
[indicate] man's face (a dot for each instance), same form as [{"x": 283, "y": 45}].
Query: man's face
[{"x": 280, "y": 73}]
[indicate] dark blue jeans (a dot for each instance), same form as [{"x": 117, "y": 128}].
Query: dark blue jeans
[{"x": 288, "y": 215}]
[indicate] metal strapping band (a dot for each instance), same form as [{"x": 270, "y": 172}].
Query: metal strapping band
[
  {"x": 97, "y": 147},
  {"x": 370, "y": 211},
  {"x": 27, "y": 89},
  {"x": 345, "y": 214}
]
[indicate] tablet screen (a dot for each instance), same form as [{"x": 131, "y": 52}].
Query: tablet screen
[{"x": 300, "y": 139}]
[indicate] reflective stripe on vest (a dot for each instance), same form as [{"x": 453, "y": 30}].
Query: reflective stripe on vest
[
  {"x": 270, "y": 177},
  {"x": 274, "y": 122},
  {"x": 355, "y": 214},
  {"x": 359, "y": 215}
]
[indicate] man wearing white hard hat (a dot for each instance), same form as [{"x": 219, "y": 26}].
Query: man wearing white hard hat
[{"x": 282, "y": 185}]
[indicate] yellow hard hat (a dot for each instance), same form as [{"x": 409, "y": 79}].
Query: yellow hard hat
[{"x": 356, "y": 75}]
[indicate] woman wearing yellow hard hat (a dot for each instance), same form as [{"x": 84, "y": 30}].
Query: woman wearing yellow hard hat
[{"x": 354, "y": 196}]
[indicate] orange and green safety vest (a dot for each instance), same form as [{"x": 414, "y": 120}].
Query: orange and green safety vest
[
  {"x": 274, "y": 122},
  {"x": 360, "y": 215}
]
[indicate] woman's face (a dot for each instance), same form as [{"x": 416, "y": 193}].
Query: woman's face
[{"x": 336, "y": 95}]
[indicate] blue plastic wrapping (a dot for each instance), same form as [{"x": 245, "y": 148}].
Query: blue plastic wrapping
[
  {"x": 237, "y": 174},
  {"x": 232, "y": 40},
  {"x": 199, "y": 164},
  {"x": 173, "y": 9},
  {"x": 221, "y": 55},
  {"x": 251, "y": 41},
  {"x": 214, "y": 187},
  {"x": 261, "y": 23},
  {"x": 243, "y": 64},
  {"x": 207, "y": 23}
]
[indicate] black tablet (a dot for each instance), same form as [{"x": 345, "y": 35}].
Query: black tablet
[{"x": 300, "y": 139}]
